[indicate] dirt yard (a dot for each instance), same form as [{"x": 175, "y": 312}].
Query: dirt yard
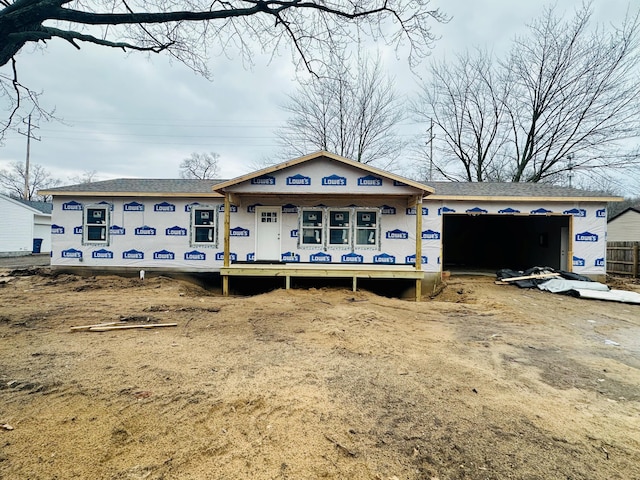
[{"x": 483, "y": 382}]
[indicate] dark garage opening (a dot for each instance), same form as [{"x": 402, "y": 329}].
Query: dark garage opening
[{"x": 501, "y": 241}]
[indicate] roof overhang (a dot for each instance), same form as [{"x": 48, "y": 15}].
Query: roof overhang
[
  {"x": 224, "y": 186},
  {"x": 483, "y": 198}
]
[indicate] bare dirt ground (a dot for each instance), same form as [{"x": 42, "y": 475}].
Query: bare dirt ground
[{"x": 482, "y": 382}]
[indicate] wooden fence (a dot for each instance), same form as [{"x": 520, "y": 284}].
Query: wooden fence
[{"x": 622, "y": 258}]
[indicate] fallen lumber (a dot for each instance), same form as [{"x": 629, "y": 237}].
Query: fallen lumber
[
  {"x": 127, "y": 327},
  {"x": 529, "y": 277},
  {"x": 83, "y": 328}
]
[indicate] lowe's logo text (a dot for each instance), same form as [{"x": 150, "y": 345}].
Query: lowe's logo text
[
  {"x": 387, "y": 210},
  {"x": 578, "y": 262},
  {"x": 369, "y": 181},
  {"x": 586, "y": 237},
  {"x": 599, "y": 262},
  {"x": 602, "y": 213},
  {"x": 352, "y": 258},
  {"x": 232, "y": 256},
  {"x": 73, "y": 205},
  {"x": 102, "y": 254},
  {"x": 164, "y": 207},
  {"x": 320, "y": 258},
  {"x": 239, "y": 232},
  {"x": 133, "y": 255},
  {"x": 57, "y": 230},
  {"x": 334, "y": 180},
  {"x": 195, "y": 255},
  {"x": 298, "y": 180},
  {"x": 116, "y": 230},
  {"x": 384, "y": 258},
  {"x": 176, "y": 231},
  {"x": 411, "y": 260},
  {"x": 430, "y": 235},
  {"x": 164, "y": 255},
  {"x": 290, "y": 257},
  {"x": 264, "y": 180},
  {"x": 145, "y": 230},
  {"x": 397, "y": 235},
  {"x": 71, "y": 253},
  {"x": 133, "y": 207}
]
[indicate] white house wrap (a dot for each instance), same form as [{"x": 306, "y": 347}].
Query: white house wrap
[{"x": 326, "y": 210}]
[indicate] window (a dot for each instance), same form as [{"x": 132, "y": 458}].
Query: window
[
  {"x": 203, "y": 226},
  {"x": 366, "y": 227},
  {"x": 339, "y": 227},
  {"x": 269, "y": 217},
  {"x": 312, "y": 231},
  {"x": 95, "y": 229}
]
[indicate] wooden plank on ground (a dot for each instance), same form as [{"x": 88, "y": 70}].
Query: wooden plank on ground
[
  {"x": 82, "y": 328},
  {"x": 529, "y": 277},
  {"x": 128, "y": 327}
]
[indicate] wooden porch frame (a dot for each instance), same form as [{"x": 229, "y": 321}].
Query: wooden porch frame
[{"x": 314, "y": 270}]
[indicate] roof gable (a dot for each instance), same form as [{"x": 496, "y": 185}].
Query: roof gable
[{"x": 324, "y": 172}]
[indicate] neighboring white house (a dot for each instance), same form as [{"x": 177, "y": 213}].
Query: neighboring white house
[
  {"x": 625, "y": 226},
  {"x": 25, "y": 226}
]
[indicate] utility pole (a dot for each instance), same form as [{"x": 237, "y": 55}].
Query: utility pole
[
  {"x": 570, "y": 158},
  {"x": 25, "y": 194},
  {"x": 431, "y": 137}
]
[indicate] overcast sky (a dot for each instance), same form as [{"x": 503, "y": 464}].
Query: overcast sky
[{"x": 130, "y": 116}]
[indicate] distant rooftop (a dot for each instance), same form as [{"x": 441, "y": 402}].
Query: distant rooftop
[{"x": 43, "y": 207}]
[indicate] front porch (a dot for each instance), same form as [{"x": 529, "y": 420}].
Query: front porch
[{"x": 311, "y": 270}]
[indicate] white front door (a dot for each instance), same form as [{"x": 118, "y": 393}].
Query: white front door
[{"x": 267, "y": 233}]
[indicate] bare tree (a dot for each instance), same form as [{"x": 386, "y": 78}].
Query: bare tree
[
  {"x": 353, "y": 112},
  {"x": 564, "y": 103},
  {"x": 12, "y": 181},
  {"x": 200, "y": 165},
  {"x": 189, "y": 30},
  {"x": 466, "y": 102},
  {"x": 88, "y": 176}
]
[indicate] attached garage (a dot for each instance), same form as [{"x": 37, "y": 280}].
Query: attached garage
[
  {"x": 499, "y": 241},
  {"x": 518, "y": 226}
]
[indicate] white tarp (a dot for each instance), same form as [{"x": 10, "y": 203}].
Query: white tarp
[
  {"x": 558, "y": 285},
  {"x": 611, "y": 295}
]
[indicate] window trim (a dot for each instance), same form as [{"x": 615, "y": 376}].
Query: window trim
[
  {"x": 193, "y": 226},
  {"x": 321, "y": 227},
  {"x": 375, "y": 228},
  {"x": 325, "y": 229},
  {"x": 106, "y": 224},
  {"x": 349, "y": 243}
]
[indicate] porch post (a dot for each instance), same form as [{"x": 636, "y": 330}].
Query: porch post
[
  {"x": 419, "y": 246},
  {"x": 227, "y": 228}
]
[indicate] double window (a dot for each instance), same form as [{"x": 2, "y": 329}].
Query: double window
[
  {"x": 203, "y": 225},
  {"x": 344, "y": 227},
  {"x": 95, "y": 228}
]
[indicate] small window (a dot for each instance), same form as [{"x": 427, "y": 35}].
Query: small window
[
  {"x": 312, "y": 231},
  {"x": 203, "y": 227},
  {"x": 96, "y": 228},
  {"x": 366, "y": 228},
  {"x": 269, "y": 217},
  {"x": 339, "y": 227}
]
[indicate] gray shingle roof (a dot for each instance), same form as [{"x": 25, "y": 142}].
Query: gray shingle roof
[
  {"x": 43, "y": 207},
  {"x": 510, "y": 189},
  {"x": 194, "y": 186},
  {"x": 141, "y": 185}
]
